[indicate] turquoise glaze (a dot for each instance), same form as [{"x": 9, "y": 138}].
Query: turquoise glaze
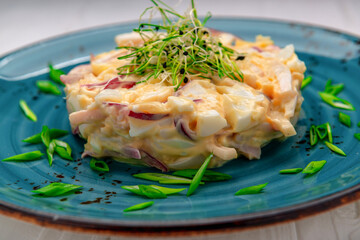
[{"x": 327, "y": 54}]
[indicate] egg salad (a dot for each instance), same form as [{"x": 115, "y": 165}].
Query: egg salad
[{"x": 156, "y": 124}]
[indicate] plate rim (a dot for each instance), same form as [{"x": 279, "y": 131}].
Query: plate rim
[{"x": 192, "y": 227}]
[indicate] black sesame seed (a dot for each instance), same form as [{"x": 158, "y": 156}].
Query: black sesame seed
[
  {"x": 156, "y": 28},
  {"x": 240, "y": 58},
  {"x": 186, "y": 80},
  {"x": 181, "y": 32},
  {"x": 179, "y": 46},
  {"x": 206, "y": 32},
  {"x": 182, "y": 71},
  {"x": 164, "y": 65},
  {"x": 186, "y": 53}
]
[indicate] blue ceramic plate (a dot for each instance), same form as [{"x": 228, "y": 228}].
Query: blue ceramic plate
[{"x": 99, "y": 205}]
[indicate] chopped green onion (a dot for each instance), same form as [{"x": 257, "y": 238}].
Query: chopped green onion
[
  {"x": 56, "y": 189},
  {"x": 314, "y": 167},
  {"x": 329, "y": 132},
  {"x": 50, "y": 152},
  {"x": 99, "y": 165},
  {"x": 48, "y": 87},
  {"x": 173, "y": 181},
  {"x": 27, "y": 111},
  {"x": 336, "y": 101},
  {"x": 290, "y": 170},
  {"x": 45, "y": 136},
  {"x": 139, "y": 206},
  {"x": 251, "y": 190},
  {"x": 151, "y": 192},
  {"x": 313, "y": 136},
  {"x": 63, "y": 149},
  {"x": 163, "y": 178},
  {"x": 29, "y": 156},
  {"x": 357, "y": 136},
  {"x": 209, "y": 175},
  {"x": 358, "y": 124},
  {"x": 55, "y": 74},
  {"x": 322, "y": 131},
  {"x": 333, "y": 89},
  {"x": 345, "y": 119},
  {"x": 306, "y": 81},
  {"x": 168, "y": 191},
  {"x": 54, "y": 133},
  {"x": 334, "y": 148},
  {"x": 198, "y": 176}
]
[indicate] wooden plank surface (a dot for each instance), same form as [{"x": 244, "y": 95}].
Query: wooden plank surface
[{"x": 24, "y": 22}]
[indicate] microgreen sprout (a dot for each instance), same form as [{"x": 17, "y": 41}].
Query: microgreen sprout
[{"x": 178, "y": 51}]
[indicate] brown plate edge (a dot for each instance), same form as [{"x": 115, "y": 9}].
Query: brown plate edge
[{"x": 222, "y": 225}]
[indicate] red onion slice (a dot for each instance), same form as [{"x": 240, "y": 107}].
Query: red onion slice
[
  {"x": 147, "y": 116},
  {"x": 153, "y": 162},
  {"x": 111, "y": 84},
  {"x": 257, "y": 49},
  {"x": 250, "y": 151},
  {"x": 115, "y": 83},
  {"x": 115, "y": 104},
  {"x": 131, "y": 152},
  {"x": 198, "y": 100},
  {"x": 182, "y": 126}
]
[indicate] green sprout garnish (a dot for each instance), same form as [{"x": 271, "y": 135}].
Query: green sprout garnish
[{"x": 178, "y": 51}]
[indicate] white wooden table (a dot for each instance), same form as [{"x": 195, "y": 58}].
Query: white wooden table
[{"x": 23, "y": 22}]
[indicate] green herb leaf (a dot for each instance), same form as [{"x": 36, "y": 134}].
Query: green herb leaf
[
  {"x": 139, "y": 206},
  {"x": 290, "y": 170},
  {"x": 50, "y": 152},
  {"x": 163, "y": 178},
  {"x": 198, "y": 176},
  {"x": 63, "y": 149},
  {"x": 168, "y": 191},
  {"x": 99, "y": 165},
  {"x": 333, "y": 89},
  {"x": 314, "y": 167},
  {"x": 251, "y": 190},
  {"x": 336, "y": 101},
  {"x": 55, "y": 74},
  {"x": 313, "y": 136},
  {"x": 334, "y": 148},
  {"x": 357, "y": 136},
  {"x": 48, "y": 87},
  {"x": 151, "y": 192},
  {"x": 27, "y": 111},
  {"x": 45, "y": 136},
  {"x": 306, "y": 81},
  {"x": 209, "y": 175},
  {"x": 54, "y": 133},
  {"x": 56, "y": 189},
  {"x": 29, "y": 156},
  {"x": 345, "y": 119}
]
